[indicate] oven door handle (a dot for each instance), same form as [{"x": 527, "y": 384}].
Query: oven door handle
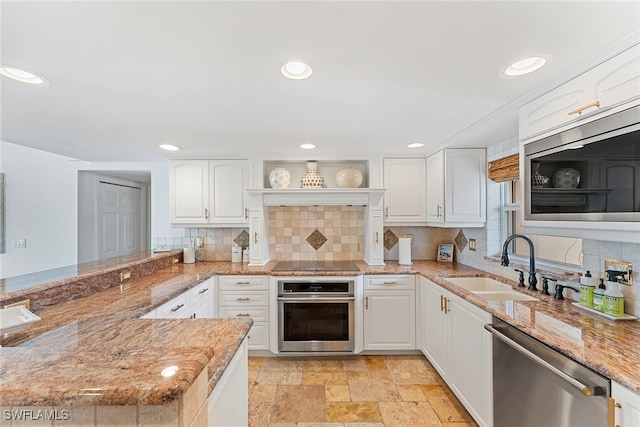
[
  {"x": 584, "y": 389},
  {"x": 317, "y": 299}
]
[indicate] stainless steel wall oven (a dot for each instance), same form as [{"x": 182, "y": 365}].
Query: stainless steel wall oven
[
  {"x": 316, "y": 315},
  {"x": 588, "y": 173}
]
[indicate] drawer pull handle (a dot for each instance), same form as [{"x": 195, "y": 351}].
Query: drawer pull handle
[
  {"x": 579, "y": 110},
  {"x": 243, "y": 283},
  {"x": 390, "y": 283},
  {"x": 203, "y": 290},
  {"x": 243, "y": 315},
  {"x": 243, "y": 299},
  {"x": 177, "y": 307}
]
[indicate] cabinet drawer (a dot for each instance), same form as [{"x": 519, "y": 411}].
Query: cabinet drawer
[
  {"x": 258, "y": 314},
  {"x": 405, "y": 281},
  {"x": 258, "y": 336},
  {"x": 229, "y": 298},
  {"x": 204, "y": 289},
  {"x": 236, "y": 283},
  {"x": 176, "y": 308}
]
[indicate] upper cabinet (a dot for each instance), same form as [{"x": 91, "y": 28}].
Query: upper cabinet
[
  {"x": 209, "y": 192},
  {"x": 457, "y": 188},
  {"x": 594, "y": 94},
  {"x": 406, "y": 184}
]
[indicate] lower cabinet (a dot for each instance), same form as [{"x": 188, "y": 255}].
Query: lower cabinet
[
  {"x": 247, "y": 296},
  {"x": 228, "y": 404},
  {"x": 196, "y": 303},
  {"x": 626, "y": 406},
  {"x": 389, "y": 312},
  {"x": 454, "y": 340}
]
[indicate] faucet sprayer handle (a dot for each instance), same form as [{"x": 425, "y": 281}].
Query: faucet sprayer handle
[
  {"x": 521, "y": 279},
  {"x": 545, "y": 284}
]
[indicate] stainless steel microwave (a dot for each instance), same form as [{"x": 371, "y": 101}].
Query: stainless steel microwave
[{"x": 587, "y": 173}]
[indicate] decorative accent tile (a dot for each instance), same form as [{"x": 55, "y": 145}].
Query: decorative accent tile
[
  {"x": 461, "y": 241},
  {"x": 242, "y": 239},
  {"x": 390, "y": 239},
  {"x": 316, "y": 239}
]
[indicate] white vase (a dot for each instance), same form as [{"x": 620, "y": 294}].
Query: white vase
[
  {"x": 566, "y": 178},
  {"x": 349, "y": 178},
  {"x": 279, "y": 178},
  {"x": 312, "y": 179}
]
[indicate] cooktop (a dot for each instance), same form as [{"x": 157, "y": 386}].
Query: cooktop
[{"x": 315, "y": 266}]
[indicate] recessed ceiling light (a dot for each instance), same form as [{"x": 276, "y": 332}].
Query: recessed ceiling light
[
  {"x": 308, "y": 146},
  {"x": 23, "y": 76},
  {"x": 525, "y": 66},
  {"x": 169, "y": 147},
  {"x": 415, "y": 145},
  {"x": 296, "y": 70}
]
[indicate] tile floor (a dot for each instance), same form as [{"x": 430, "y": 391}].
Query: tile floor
[{"x": 363, "y": 391}]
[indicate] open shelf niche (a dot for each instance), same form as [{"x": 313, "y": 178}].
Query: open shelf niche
[{"x": 326, "y": 168}]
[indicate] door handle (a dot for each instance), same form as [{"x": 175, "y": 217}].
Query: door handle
[
  {"x": 442, "y": 303},
  {"x": 366, "y": 303},
  {"x": 579, "y": 110},
  {"x": 255, "y": 237},
  {"x": 206, "y": 213},
  {"x": 246, "y": 213}
]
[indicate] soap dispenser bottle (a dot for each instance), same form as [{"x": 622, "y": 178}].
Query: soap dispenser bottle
[
  {"x": 613, "y": 297},
  {"x": 598, "y": 296},
  {"x": 587, "y": 286}
]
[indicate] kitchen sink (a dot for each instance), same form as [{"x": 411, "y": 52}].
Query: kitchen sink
[
  {"x": 490, "y": 289},
  {"x": 475, "y": 284}
]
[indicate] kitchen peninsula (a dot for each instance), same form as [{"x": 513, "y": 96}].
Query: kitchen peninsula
[{"x": 94, "y": 358}]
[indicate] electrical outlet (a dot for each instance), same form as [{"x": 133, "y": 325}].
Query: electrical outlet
[
  {"x": 125, "y": 275},
  {"x": 199, "y": 242},
  {"x": 20, "y": 243},
  {"x": 472, "y": 244}
]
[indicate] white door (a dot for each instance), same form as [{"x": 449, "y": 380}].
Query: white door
[
  {"x": 118, "y": 220},
  {"x": 389, "y": 320},
  {"x": 435, "y": 188}
]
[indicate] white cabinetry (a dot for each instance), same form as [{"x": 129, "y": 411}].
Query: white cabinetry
[
  {"x": 405, "y": 198},
  {"x": 626, "y": 406},
  {"x": 196, "y": 303},
  {"x": 457, "y": 188},
  {"x": 228, "y": 404},
  {"x": 454, "y": 340},
  {"x": 247, "y": 296},
  {"x": 389, "y": 312},
  {"x": 209, "y": 192},
  {"x": 593, "y": 94}
]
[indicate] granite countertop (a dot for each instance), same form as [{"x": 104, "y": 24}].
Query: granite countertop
[{"x": 95, "y": 350}]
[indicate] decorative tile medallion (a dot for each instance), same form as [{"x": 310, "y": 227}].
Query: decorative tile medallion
[
  {"x": 461, "y": 241},
  {"x": 242, "y": 239},
  {"x": 390, "y": 239},
  {"x": 316, "y": 239}
]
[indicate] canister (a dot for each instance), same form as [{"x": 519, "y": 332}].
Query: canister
[{"x": 236, "y": 253}]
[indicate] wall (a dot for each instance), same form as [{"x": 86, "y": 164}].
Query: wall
[{"x": 41, "y": 204}]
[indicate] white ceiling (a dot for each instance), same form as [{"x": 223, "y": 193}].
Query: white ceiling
[{"x": 128, "y": 76}]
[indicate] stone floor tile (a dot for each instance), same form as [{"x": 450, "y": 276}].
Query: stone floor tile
[
  {"x": 353, "y": 412},
  {"x": 303, "y": 403},
  {"x": 355, "y": 363},
  {"x": 373, "y": 386},
  {"x": 410, "y": 370},
  {"x": 255, "y": 363},
  {"x": 293, "y": 364},
  {"x": 460, "y": 424},
  {"x": 411, "y": 393},
  {"x": 324, "y": 364},
  {"x": 403, "y": 414},
  {"x": 259, "y": 413},
  {"x": 337, "y": 393},
  {"x": 374, "y": 363},
  {"x": 278, "y": 377},
  {"x": 263, "y": 393},
  {"x": 337, "y": 377},
  {"x": 445, "y": 404}
]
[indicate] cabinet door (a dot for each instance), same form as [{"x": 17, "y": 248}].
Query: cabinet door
[
  {"x": 389, "y": 320},
  {"x": 229, "y": 179},
  {"x": 435, "y": 188},
  {"x": 434, "y": 327},
  {"x": 471, "y": 358},
  {"x": 627, "y": 409},
  {"x": 258, "y": 245},
  {"x": 465, "y": 187},
  {"x": 189, "y": 191},
  {"x": 228, "y": 403},
  {"x": 405, "y": 198},
  {"x": 618, "y": 79},
  {"x": 374, "y": 253}
]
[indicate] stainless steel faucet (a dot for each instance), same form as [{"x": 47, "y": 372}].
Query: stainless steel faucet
[{"x": 532, "y": 258}]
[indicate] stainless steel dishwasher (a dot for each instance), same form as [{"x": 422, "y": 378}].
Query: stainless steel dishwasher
[{"x": 536, "y": 386}]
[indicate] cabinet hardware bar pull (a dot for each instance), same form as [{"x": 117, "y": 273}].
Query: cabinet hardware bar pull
[
  {"x": 206, "y": 213},
  {"x": 441, "y": 303},
  {"x": 255, "y": 237},
  {"x": 203, "y": 290},
  {"x": 584, "y": 389},
  {"x": 366, "y": 303},
  {"x": 177, "y": 307},
  {"x": 243, "y": 299},
  {"x": 611, "y": 413},
  {"x": 243, "y": 283},
  {"x": 376, "y": 237},
  {"x": 386, "y": 212},
  {"x": 579, "y": 110},
  {"x": 246, "y": 213},
  {"x": 446, "y": 305},
  {"x": 390, "y": 283},
  {"x": 438, "y": 212},
  {"x": 243, "y": 315}
]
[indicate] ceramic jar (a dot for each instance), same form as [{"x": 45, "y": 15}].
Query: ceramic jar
[
  {"x": 279, "y": 178},
  {"x": 566, "y": 178},
  {"x": 312, "y": 179},
  {"x": 349, "y": 178}
]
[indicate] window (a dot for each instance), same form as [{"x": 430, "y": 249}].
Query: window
[{"x": 560, "y": 250}]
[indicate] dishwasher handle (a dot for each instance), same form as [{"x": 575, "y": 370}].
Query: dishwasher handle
[{"x": 584, "y": 389}]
